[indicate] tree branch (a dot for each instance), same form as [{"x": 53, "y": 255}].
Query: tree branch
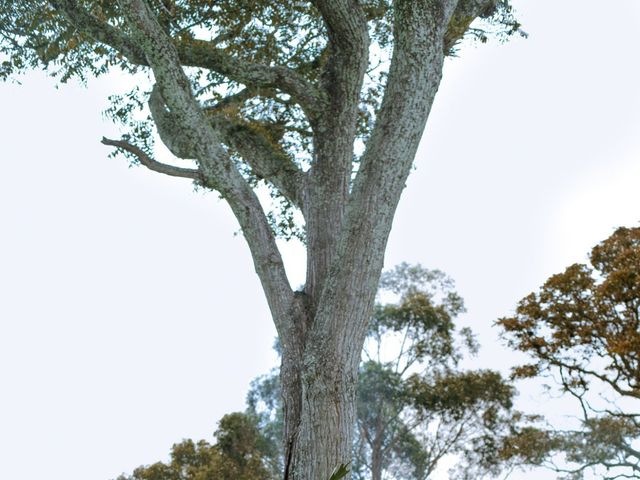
[
  {"x": 334, "y": 134},
  {"x": 152, "y": 164},
  {"x": 198, "y": 53},
  {"x": 475, "y": 8},
  {"x": 99, "y": 30},
  {"x": 218, "y": 170},
  {"x": 464, "y": 13},
  {"x": 234, "y": 100},
  {"x": 203, "y": 54},
  {"x": 178, "y": 142},
  {"x": 265, "y": 158},
  {"x": 414, "y": 76},
  {"x": 344, "y": 20}
]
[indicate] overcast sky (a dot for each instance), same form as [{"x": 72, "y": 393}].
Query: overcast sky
[{"x": 130, "y": 314}]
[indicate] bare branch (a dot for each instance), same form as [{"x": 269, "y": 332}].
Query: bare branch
[{"x": 152, "y": 164}]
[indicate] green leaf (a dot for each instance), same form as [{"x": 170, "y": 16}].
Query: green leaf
[{"x": 340, "y": 472}]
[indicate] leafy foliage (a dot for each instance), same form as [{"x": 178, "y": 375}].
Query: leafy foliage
[
  {"x": 240, "y": 453},
  {"x": 415, "y": 404},
  {"x": 37, "y": 34},
  {"x": 341, "y": 472},
  {"x": 583, "y": 327}
]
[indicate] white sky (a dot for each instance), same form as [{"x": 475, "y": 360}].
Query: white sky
[{"x": 130, "y": 315}]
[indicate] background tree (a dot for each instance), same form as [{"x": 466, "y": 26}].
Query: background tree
[
  {"x": 298, "y": 95},
  {"x": 583, "y": 329},
  {"x": 415, "y": 404},
  {"x": 240, "y": 453}
]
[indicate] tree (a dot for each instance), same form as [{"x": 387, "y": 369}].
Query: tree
[
  {"x": 324, "y": 102},
  {"x": 583, "y": 327},
  {"x": 415, "y": 404},
  {"x": 240, "y": 453}
]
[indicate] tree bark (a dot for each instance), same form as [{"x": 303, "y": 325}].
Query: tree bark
[
  {"x": 324, "y": 435},
  {"x": 319, "y": 393}
]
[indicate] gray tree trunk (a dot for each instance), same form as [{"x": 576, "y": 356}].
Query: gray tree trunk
[
  {"x": 322, "y": 329},
  {"x": 323, "y": 436}
]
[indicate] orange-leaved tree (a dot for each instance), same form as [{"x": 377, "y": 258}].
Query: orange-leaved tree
[{"x": 583, "y": 328}]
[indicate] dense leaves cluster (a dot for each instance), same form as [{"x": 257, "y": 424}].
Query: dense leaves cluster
[
  {"x": 240, "y": 453},
  {"x": 583, "y": 328}
]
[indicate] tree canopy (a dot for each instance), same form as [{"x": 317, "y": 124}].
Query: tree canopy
[
  {"x": 582, "y": 328},
  {"x": 415, "y": 404},
  {"x": 257, "y": 68},
  {"x": 240, "y": 453}
]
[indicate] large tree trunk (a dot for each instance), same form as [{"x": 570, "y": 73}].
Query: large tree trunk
[
  {"x": 324, "y": 436},
  {"x": 319, "y": 392}
]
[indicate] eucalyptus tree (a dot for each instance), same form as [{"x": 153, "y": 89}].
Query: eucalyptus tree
[
  {"x": 323, "y": 101},
  {"x": 416, "y": 404}
]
